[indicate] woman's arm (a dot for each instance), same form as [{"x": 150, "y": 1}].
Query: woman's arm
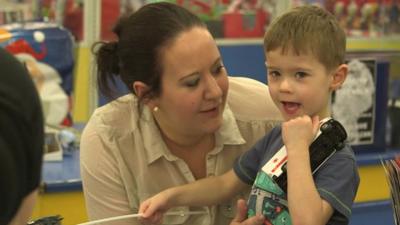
[{"x": 207, "y": 191}]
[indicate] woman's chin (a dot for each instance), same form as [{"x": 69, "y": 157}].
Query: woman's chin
[{"x": 213, "y": 126}]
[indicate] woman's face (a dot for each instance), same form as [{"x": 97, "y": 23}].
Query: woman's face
[{"x": 194, "y": 85}]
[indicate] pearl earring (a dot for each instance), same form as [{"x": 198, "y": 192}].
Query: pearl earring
[{"x": 155, "y": 109}]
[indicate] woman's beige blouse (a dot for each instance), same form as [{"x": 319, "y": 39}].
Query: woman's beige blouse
[{"x": 124, "y": 159}]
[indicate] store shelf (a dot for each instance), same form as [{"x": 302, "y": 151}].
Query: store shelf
[
  {"x": 391, "y": 43},
  {"x": 360, "y": 44}
]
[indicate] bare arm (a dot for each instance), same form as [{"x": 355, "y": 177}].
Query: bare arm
[
  {"x": 207, "y": 191},
  {"x": 305, "y": 203}
]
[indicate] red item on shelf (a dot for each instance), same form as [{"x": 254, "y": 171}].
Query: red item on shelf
[
  {"x": 109, "y": 15},
  {"x": 237, "y": 25}
]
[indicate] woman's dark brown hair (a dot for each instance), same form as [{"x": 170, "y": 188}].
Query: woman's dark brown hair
[{"x": 135, "y": 56}]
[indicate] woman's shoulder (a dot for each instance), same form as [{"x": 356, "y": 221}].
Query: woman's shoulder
[
  {"x": 249, "y": 99},
  {"x": 117, "y": 113}
]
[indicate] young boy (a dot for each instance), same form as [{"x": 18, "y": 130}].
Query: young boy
[{"x": 305, "y": 50}]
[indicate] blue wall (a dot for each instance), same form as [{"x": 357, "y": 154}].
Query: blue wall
[
  {"x": 372, "y": 213},
  {"x": 244, "y": 60}
]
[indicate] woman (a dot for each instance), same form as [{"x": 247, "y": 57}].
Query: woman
[{"x": 179, "y": 124}]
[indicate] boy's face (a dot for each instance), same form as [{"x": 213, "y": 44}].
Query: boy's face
[{"x": 299, "y": 84}]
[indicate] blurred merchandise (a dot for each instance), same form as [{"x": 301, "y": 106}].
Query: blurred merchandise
[
  {"x": 233, "y": 18},
  {"x": 48, "y": 220},
  {"x": 238, "y": 24},
  {"x": 394, "y": 114},
  {"x": 394, "y": 121},
  {"x": 11, "y": 12},
  {"x": 68, "y": 140},
  {"x": 110, "y": 12},
  {"x": 392, "y": 171},
  {"x": 362, "y": 18},
  {"x": 225, "y": 18},
  {"x": 52, "y": 147},
  {"x": 31, "y": 10},
  {"x": 46, "y": 50},
  {"x": 361, "y": 102},
  {"x": 73, "y": 18},
  {"x": 354, "y": 103}
]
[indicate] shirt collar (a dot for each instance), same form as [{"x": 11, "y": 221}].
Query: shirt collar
[
  {"x": 155, "y": 147},
  {"x": 153, "y": 143},
  {"x": 229, "y": 133}
]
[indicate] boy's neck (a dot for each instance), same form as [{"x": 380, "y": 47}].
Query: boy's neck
[{"x": 325, "y": 113}]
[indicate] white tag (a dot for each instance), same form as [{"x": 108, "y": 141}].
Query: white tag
[{"x": 274, "y": 166}]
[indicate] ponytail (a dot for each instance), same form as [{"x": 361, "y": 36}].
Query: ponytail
[{"x": 107, "y": 65}]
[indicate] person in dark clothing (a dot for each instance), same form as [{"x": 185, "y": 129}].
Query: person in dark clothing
[{"x": 21, "y": 141}]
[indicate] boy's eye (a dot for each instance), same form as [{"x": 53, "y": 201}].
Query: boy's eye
[
  {"x": 300, "y": 75},
  {"x": 273, "y": 73}
]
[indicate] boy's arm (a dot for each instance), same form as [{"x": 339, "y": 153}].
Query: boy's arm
[
  {"x": 305, "y": 203},
  {"x": 207, "y": 191}
]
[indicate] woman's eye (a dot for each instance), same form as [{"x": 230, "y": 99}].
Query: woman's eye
[
  {"x": 192, "y": 83},
  {"x": 218, "y": 70}
]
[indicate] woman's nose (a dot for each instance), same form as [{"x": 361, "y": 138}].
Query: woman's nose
[{"x": 213, "y": 90}]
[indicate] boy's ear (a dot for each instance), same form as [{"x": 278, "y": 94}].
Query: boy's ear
[
  {"x": 141, "y": 90},
  {"x": 339, "y": 76}
]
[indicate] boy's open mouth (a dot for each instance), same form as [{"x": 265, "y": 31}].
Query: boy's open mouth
[{"x": 290, "y": 107}]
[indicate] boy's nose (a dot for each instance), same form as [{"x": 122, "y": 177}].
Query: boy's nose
[{"x": 284, "y": 85}]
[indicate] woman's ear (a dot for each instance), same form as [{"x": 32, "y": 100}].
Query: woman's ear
[
  {"x": 141, "y": 90},
  {"x": 339, "y": 76}
]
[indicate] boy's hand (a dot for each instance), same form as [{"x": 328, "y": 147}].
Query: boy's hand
[
  {"x": 299, "y": 132},
  {"x": 241, "y": 215},
  {"x": 153, "y": 209}
]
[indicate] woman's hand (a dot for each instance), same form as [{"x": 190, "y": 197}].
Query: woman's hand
[{"x": 153, "y": 209}]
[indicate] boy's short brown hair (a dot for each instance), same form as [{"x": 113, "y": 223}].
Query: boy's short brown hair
[{"x": 308, "y": 29}]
